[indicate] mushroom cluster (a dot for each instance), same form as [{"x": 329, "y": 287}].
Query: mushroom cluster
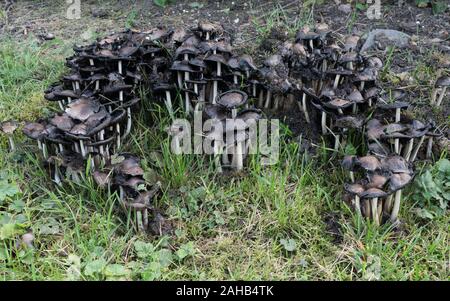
[
  {"x": 126, "y": 177},
  {"x": 333, "y": 83},
  {"x": 374, "y": 182}
]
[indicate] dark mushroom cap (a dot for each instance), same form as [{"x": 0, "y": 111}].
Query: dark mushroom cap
[
  {"x": 393, "y": 105},
  {"x": 369, "y": 163},
  {"x": 246, "y": 63},
  {"x": 399, "y": 180},
  {"x": 338, "y": 103},
  {"x": 186, "y": 49},
  {"x": 215, "y": 111},
  {"x": 348, "y": 162},
  {"x": 374, "y": 62},
  {"x": 378, "y": 149},
  {"x": 76, "y": 77},
  {"x": 443, "y": 81},
  {"x": 250, "y": 114},
  {"x": 355, "y": 96},
  {"x": 197, "y": 62},
  {"x": 33, "y": 130},
  {"x": 130, "y": 166},
  {"x": 354, "y": 189},
  {"x": 216, "y": 58},
  {"x": 82, "y": 108},
  {"x": 350, "y": 57},
  {"x": 206, "y": 26},
  {"x": 182, "y": 66},
  {"x": 351, "y": 122},
  {"x": 8, "y": 127},
  {"x": 373, "y": 193},
  {"x": 374, "y": 129},
  {"x": 102, "y": 179},
  {"x": 273, "y": 61},
  {"x": 62, "y": 122},
  {"x": 351, "y": 42},
  {"x": 232, "y": 99},
  {"x": 377, "y": 181},
  {"x": 371, "y": 92},
  {"x": 396, "y": 164}
]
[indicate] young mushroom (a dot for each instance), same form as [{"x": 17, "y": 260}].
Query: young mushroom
[
  {"x": 440, "y": 88},
  {"x": 8, "y": 128}
]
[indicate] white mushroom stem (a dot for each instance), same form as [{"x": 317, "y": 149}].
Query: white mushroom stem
[
  {"x": 217, "y": 156},
  {"x": 397, "y": 141},
  {"x": 187, "y": 103},
  {"x": 82, "y": 148},
  {"x": 11, "y": 143},
  {"x": 145, "y": 218},
  {"x": 261, "y": 98},
  {"x": 277, "y": 102},
  {"x": 355, "y": 108},
  {"x": 408, "y": 150},
  {"x": 361, "y": 85},
  {"x": 73, "y": 86},
  {"x": 69, "y": 99},
  {"x": 429, "y": 152},
  {"x": 367, "y": 208},
  {"x": 140, "y": 223},
  {"x": 128, "y": 129},
  {"x": 61, "y": 106},
  {"x": 39, "y": 144},
  {"x": 180, "y": 79},
  {"x": 118, "y": 135},
  {"x": 97, "y": 85},
  {"x": 235, "y": 79},
  {"x": 324, "y": 123},
  {"x": 374, "y": 209},
  {"x": 207, "y": 36},
  {"x": 416, "y": 149},
  {"x": 219, "y": 69},
  {"x": 336, "y": 81},
  {"x": 77, "y": 85},
  {"x": 388, "y": 204},
  {"x": 120, "y": 67},
  {"x": 305, "y": 108},
  {"x": 269, "y": 95},
  {"x": 168, "y": 103},
  {"x": 336, "y": 142},
  {"x": 370, "y": 102},
  {"x": 380, "y": 211},
  {"x": 254, "y": 90},
  {"x": 238, "y": 156},
  {"x": 234, "y": 113},
  {"x": 352, "y": 176},
  {"x": 441, "y": 96},
  {"x": 56, "y": 176},
  {"x": 396, "y": 208},
  {"x": 60, "y": 147},
  {"x": 311, "y": 44},
  {"x": 358, "y": 204},
  {"x": 434, "y": 95},
  {"x": 121, "y": 193},
  {"x": 44, "y": 150},
  {"x": 214, "y": 95},
  {"x": 101, "y": 136}
]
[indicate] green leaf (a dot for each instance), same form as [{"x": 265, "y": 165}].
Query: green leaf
[
  {"x": 185, "y": 250},
  {"x": 289, "y": 245},
  {"x": 8, "y": 231},
  {"x": 95, "y": 267},
  {"x": 8, "y": 189},
  {"x": 165, "y": 258},
  {"x": 116, "y": 270},
  {"x": 151, "y": 272},
  {"x": 439, "y": 7},
  {"x": 144, "y": 249},
  {"x": 423, "y": 213},
  {"x": 17, "y": 206}
]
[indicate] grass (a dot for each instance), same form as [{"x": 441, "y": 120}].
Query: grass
[{"x": 225, "y": 227}]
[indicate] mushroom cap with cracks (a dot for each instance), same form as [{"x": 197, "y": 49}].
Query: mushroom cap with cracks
[
  {"x": 396, "y": 164},
  {"x": 102, "y": 179},
  {"x": 129, "y": 166},
  {"x": 349, "y": 162},
  {"x": 443, "y": 81},
  {"x": 352, "y": 122},
  {"x": 8, "y": 127},
  {"x": 82, "y": 108},
  {"x": 372, "y": 193},
  {"x": 399, "y": 181},
  {"x": 232, "y": 99},
  {"x": 215, "y": 112},
  {"x": 377, "y": 181},
  {"x": 62, "y": 122},
  {"x": 369, "y": 163},
  {"x": 34, "y": 130},
  {"x": 354, "y": 189}
]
